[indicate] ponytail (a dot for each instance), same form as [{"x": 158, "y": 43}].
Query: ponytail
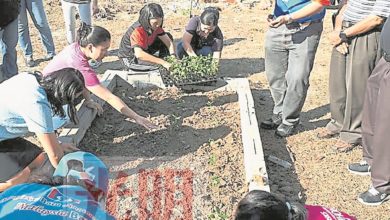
[
  {"x": 94, "y": 35},
  {"x": 210, "y": 16}
]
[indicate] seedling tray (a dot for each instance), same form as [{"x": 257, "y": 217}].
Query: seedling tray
[{"x": 193, "y": 79}]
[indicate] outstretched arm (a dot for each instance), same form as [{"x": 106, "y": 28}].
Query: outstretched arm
[
  {"x": 169, "y": 43},
  {"x": 144, "y": 56},
  {"x": 117, "y": 103},
  {"x": 53, "y": 148},
  {"x": 187, "y": 37}
]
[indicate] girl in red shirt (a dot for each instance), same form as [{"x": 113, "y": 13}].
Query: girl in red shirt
[{"x": 145, "y": 38}]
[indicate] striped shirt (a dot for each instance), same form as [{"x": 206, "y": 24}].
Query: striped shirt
[{"x": 357, "y": 10}]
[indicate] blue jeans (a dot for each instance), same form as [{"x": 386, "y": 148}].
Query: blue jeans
[
  {"x": 8, "y": 41},
  {"x": 289, "y": 57},
  {"x": 36, "y": 10},
  {"x": 68, "y": 10},
  {"x": 204, "y": 51}
]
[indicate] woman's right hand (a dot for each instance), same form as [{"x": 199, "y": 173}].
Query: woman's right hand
[
  {"x": 53, "y": 149},
  {"x": 167, "y": 65}
]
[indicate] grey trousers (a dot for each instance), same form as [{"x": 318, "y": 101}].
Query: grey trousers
[
  {"x": 376, "y": 126},
  {"x": 289, "y": 57},
  {"x": 347, "y": 84}
]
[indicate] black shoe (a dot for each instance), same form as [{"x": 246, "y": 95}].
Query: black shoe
[
  {"x": 373, "y": 197},
  {"x": 361, "y": 168},
  {"x": 30, "y": 62},
  {"x": 284, "y": 130},
  {"x": 272, "y": 122}
]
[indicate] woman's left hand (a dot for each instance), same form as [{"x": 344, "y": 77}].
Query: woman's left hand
[
  {"x": 279, "y": 21},
  {"x": 94, "y": 105},
  {"x": 146, "y": 123}
]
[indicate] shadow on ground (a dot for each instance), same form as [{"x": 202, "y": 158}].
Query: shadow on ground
[
  {"x": 283, "y": 181},
  {"x": 241, "y": 67}
]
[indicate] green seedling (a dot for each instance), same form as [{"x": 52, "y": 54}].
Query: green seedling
[
  {"x": 212, "y": 159},
  {"x": 217, "y": 214},
  {"x": 215, "y": 181},
  {"x": 192, "y": 68}
]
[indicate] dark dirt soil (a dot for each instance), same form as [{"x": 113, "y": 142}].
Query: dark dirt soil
[{"x": 197, "y": 132}]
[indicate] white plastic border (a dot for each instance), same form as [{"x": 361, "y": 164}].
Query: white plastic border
[{"x": 255, "y": 170}]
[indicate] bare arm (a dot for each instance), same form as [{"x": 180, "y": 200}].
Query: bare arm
[
  {"x": 313, "y": 8},
  {"x": 187, "y": 37},
  {"x": 52, "y": 147},
  {"x": 142, "y": 55},
  {"x": 169, "y": 43},
  {"x": 364, "y": 26},
  {"x": 117, "y": 103},
  {"x": 90, "y": 103}
]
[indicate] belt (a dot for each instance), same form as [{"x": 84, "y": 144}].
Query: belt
[
  {"x": 386, "y": 56},
  {"x": 303, "y": 24},
  {"x": 347, "y": 24}
]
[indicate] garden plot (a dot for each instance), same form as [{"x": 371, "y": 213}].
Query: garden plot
[{"x": 192, "y": 166}]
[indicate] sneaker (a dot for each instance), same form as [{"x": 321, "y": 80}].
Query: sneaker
[
  {"x": 30, "y": 62},
  {"x": 94, "y": 63},
  {"x": 48, "y": 57},
  {"x": 362, "y": 168},
  {"x": 343, "y": 146},
  {"x": 326, "y": 134},
  {"x": 284, "y": 130},
  {"x": 373, "y": 197},
  {"x": 272, "y": 122}
]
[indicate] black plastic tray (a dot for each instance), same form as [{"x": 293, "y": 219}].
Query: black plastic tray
[{"x": 170, "y": 81}]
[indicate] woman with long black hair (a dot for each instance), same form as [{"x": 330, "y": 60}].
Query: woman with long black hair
[
  {"x": 28, "y": 104},
  {"x": 93, "y": 43},
  {"x": 202, "y": 35},
  {"x": 145, "y": 38}
]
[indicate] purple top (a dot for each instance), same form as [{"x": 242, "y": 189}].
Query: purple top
[{"x": 72, "y": 57}]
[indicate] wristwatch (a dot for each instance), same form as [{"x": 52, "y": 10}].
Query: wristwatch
[{"x": 343, "y": 36}]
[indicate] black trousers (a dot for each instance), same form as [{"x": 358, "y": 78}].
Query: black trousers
[
  {"x": 15, "y": 155},
  {"x": 157, "y": 46},
  {"x": 376, "y": 126}
]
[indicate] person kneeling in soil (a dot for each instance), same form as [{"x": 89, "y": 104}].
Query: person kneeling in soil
[
  {"x": 202, "y": 36},
  {"x": 263, "y": 205},
  {"x": 145, "y": 38},
  {"x": 77, "y": 190},
  {"x": 93, "y": 43},
  {"x": 28, "y": 103}
]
